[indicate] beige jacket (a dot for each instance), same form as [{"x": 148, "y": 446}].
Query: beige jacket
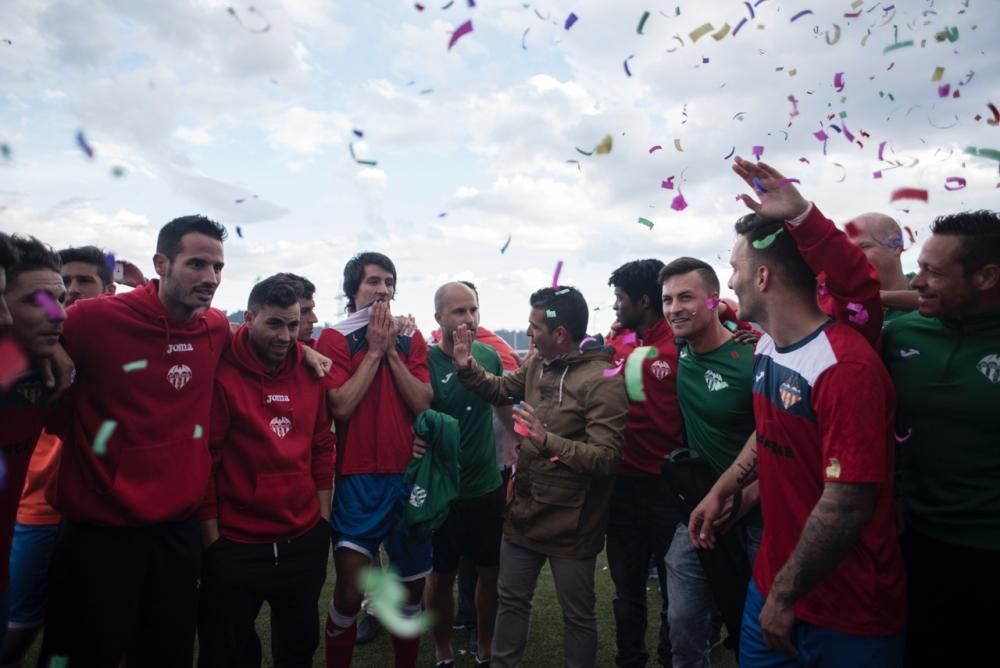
[{"x": 561, "y": 494}]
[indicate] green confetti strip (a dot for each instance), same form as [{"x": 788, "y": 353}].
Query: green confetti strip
[
  {"x": 103, "y": 434},
  {"x": 642, "y": 22},
  {"x": 991, "y": 153},
  {"x": 646, "y": 221},
  {"x": 198, "y": 431},
  {"x": 386, "y": 598},
  {"x": 550, "y": 314},
  {"x": 761, "y": 244},
  {"x": 137, "y": 365},
  {"x": 633, "y": 372}
]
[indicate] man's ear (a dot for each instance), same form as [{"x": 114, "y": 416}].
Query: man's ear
[
  {"x": 161, "y": 264},
  {"x": 764, "y": 278},
  {"x": 987, "y": 278},
  {"x": 248, "y": 317}
]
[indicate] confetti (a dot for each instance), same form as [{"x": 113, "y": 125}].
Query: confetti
[
  {"x": 604, "y": 147},
  {"x": 700, "y": 31},
  {"x": 645, "y": 221},
  {"x": 118, "y": 171},
  {"x": 13, "y": 362},
  {"x": 198, "y": 431},
  {"x": 350, "y": 149},
  {"x": 958, "y": 182},
  {"x": 103, "y": 434},
  {"x": 836, "y": 35},
  {"x": 897, "y": 45},
  {"x": 461, "y": 31},
  {"x": 81, "y": 141},
  {"x": 654, "y": 149},
  {"x": 668, "y": 184},
  {"x": 712, "y": 303},
  {"x": 908, "y": 193},
  {"x": 677, "y": 145},
  {"x": 758, "y": 185},
  {"x": 358, "y": 133},
  {"x": 52, "y": 309},
  {"x": 625, "y": 65},
  {"x": 938, "y": 74},
  {"x": 419, "y": 7},
  {"x": 679, "y": 203},
  {"x": 996, "y": 114},
  {"x": 795, "y": 106},
  {"x": 524, "y": 44},
  {"x": 570, "y": 20},
  {"x": 582, "y": 152},
  {"x": 550, "y": 314},
  {"x": 720, "y": 35},
  {"x": 642, "y": 22},
  {"x": 881, "y": 149},
  {"x": 750, "y": 9},
  {"x": 613, "y": 371},
  {"x": 386, "y": 598},
  {"x": 137, "y": 365},
  {"x": 739, "y": 25},
  {"x": 905, "y": 437},
  {"x": 838, "y": 81},
  {"x": 252, "y": 10},
  {"x": 943, "y": 90},
  {"x": 239, "y": 232},
  {"x": 630, "y": 338},
  {"x": 804, "y": 12},
  {"x": 730, "y": 154},
  {"x": 738, "y": 116},
  {"x": 766, "y": 242},
  {"x": 5, "y": 151},
  {"x": 633, "y": 372},
  {"x": 757, "y": 151},
  {"x": 859, "y": 315},
  {"x": 506, "y": 245},
  {"x": 555, "y": 275},
  {"x": 678, "y": 38},
  {"x": 843, "y": 172},
  {"x": 991, "y": 153}
]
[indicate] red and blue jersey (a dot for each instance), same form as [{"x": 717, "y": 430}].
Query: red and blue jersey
[
  {"x": 378, "y": 437},
  {"x": 824, "y": 414}
]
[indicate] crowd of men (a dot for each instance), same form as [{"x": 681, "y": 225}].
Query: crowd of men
[{"x": 815, "y": 467}]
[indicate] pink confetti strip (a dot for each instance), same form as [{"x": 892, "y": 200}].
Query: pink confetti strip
[
  {"x": 668, "y": 184},
  {"x": 712, "y": 303},
  {"x": 679, "y": 203},
  {"x": 805, "y": 160},
  {"x": 958, "y": 182},
  {"x": 838, "y": 81},
  {"x": 908, "y": 193},
  {"x": 629, "y": 339},
  {"x": 881, "y": 150},
  {"x": 943, "y": 90},
  {"x": 53, "y": 309},
  {"x": 795, "y": 106},
  {"x": 905, "y": 437},
  {"x": 820, "y": 135},
  {"x": 860, "y": 315},
  {"x": 555, "y": 276},
  {"x": 654, "y": 149},
  {"x": 757, "y": 151},
  {"x": 613, "y": 371},
  {"x": 461, "y": 31}
]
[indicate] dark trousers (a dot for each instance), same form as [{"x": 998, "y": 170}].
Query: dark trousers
[
  {"x": 642, "y": 520},
  {"x": 954, "y": 595},
  {"x": 123, "y": 593},
  {"x": 239, "y": 577}
]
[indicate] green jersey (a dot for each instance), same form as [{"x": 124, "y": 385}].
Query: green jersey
[
  {"x": 890, "y": 314},
  {"x": 715, "y": 393},
  {"x": 947, "y": 377},
  {"x": 477, "y": 458}
]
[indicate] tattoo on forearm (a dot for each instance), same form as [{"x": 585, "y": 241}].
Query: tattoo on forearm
[
  {"x": 834, "y": 525},
  {"x": 748, "y": 471}
]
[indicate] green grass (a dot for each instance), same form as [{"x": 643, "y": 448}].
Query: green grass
[{"x": 544, "y": 642}]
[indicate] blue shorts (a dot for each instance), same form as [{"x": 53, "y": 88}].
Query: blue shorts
[
  {"x": 30, "y": 553},
  {"x": 368, "y": 512},
  {"x": 817, "y": 646}
]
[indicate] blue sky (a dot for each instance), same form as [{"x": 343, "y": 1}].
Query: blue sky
[{"x": 200, "y": 111}]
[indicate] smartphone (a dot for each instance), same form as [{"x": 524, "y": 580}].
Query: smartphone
[{"x": 119, "y": 274}]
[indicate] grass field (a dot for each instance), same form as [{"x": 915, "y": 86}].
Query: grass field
[{"x": 544, "y": 643}]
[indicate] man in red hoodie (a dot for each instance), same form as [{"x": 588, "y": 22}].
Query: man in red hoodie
[
  {"x": 263, "y": 519},
  {"x": 381, "y": 383},
  {"x": 135, "y": 462}
]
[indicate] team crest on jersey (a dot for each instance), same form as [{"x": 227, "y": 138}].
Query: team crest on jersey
[
  {"x": 790, "y": 393},
  {"x": 179, "y": 375},
  {"x": 989, "y": 366},
  {"x": 281, "y": 426},
  {"x": 714, "y": 381},
  {"x": 418, "y": 496},
  {"x": 660, "y": 369}
]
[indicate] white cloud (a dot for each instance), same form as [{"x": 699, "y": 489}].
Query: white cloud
[
  {"x": 199, "y": 137},
  {"x": 302, "y": 130}
]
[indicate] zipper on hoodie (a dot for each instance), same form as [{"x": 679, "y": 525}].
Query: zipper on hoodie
[
  {"x": 960, "y": 335},
  {"x": 275, "y": 545}
]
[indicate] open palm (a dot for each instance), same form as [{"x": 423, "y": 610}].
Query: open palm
[{"x": 779, "y": 199}]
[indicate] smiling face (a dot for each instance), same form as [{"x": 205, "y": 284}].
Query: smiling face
[
  {"x": 273, "y": 332},
  {"x": 684, "y": 304},
  {"x": 189, "y": 281},
  {"x": 35, "y": 299},
  {"x": 942, "y": 288}
]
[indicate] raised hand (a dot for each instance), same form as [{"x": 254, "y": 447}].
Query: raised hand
[
  {"x": 131, "y": 275},
  {"x": 779, "y": 199},
  {"x": 462, "y": 350}
]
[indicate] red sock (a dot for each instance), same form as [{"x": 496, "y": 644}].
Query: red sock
[
  {"x": 340, "y": 644},
  {"x": 405, "y": 651}
]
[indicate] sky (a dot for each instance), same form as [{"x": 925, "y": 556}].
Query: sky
[{"x": 247, "y": 114}]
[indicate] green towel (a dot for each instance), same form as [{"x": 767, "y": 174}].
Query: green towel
[{"x": 434, "y": 478}]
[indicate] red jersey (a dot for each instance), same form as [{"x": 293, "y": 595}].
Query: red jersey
[
  {"x": 824, "y": 410},
  {"x": 271, "y": 444},
  {"x": 849, "y": 285},
  {"x": 653, "y": 428},
  {"x": 155, "y": 464},
  {"x": 378, "y": 437}
]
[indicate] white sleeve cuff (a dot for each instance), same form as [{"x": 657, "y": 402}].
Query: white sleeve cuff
[{"x": 802, "y": 216}]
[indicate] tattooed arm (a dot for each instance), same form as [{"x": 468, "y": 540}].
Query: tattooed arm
[
  {"x": 833, "y": 527},
  {"x": 741, "y": 473}
]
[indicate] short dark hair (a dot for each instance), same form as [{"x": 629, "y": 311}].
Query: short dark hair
[
  {"x": 979, "y": 232},
  {"x": 354, "y": 273},
  {"x": 563, "y": 306},
  {"x": 31, "y": 254},
  {"x": 638, "y": 278},
  {"x": 8, "y": 254},
  {"x": 168, "y": 242},
  {"x": 685, "y": 265},
  {"x": 781, "y": 252},
  {"x": 277, "y": 290},
  {"x": 471, "y": 286},
  {"x": 91, "y": 255},
  {"x": 306, "y": 286}
]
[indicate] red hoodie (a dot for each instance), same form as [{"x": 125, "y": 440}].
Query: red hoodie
[
  {"x": 272, "y": 448},
  {"x": 156, "y": 465}
]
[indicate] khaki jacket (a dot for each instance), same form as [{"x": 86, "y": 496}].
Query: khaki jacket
[{"x": 561, "y": 494}]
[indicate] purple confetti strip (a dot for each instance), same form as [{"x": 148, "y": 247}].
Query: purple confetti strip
[
  {"x": 758, "y": 185},
  {"x": 462, "y": 30},
  {"x": 838, "y": 81},
  {"x": 860, "y": 315},
  {"x": 52, "y": 309},
  {"x": 239, "y": 232},
  {"x": 555, "y": 275},
  {"x": 730, "y": 154},
  {"x": 629, "y": 339},
  {"x": 570, "y": 20},
  {"x": 881, "y": 149},
  {"x": 804, "y": 12},
  {"x": 653, "y": 149},
  {"x": 613, "y": 371},
  {"x": 625, "y": 65},
  {"x": 109, "y": 261},
  {"x": 821, "y": 135},
  {"x": 81, "y": 141},
  {"x": 358, "y": 133},
  {"x": 757, "y": 151},
  {"x": 668, "y": 184},
  {"x": 943, "y": 90},
  {"x": 905, "y": 437},
  {"x": 739, "y": 25},
  {"x": 958, "y": 182},
  {"x": 750, "y": 9},
  {"x": 679, "y": 203}
]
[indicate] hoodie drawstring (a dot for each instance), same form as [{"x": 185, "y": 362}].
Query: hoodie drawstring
[{"x": 562, "y": 382}]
